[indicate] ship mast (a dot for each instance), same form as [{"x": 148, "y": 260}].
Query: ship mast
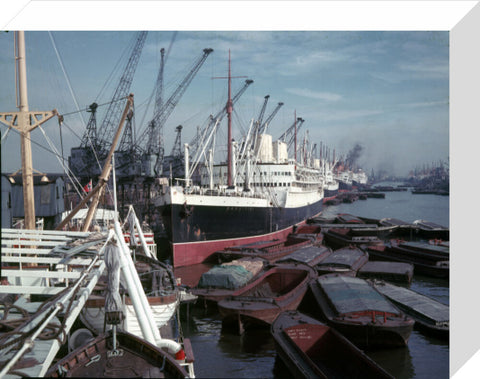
[
  {"x": 229, "y": 109},
  {"x": 295, "y": 147},
  {"x": 229, "y": 115},
  {"x": 25, "y": 121}
]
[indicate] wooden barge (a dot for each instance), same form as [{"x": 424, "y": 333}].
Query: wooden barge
[
  {"x": 222, "y": 281},
  {"x": 310, "y": 255},
  {"x": 341, "y": 237},
  {"x": 271, "y": 251},
  {"x": 431, "y": 316},
  {"x": 260, "y": 302},
  {"x": 424, "y": 263},
  {"x": 345, "y": 261},
  {"x": 391, "y": 271},
  {"x": 359, "y": 312},
  {"x": 423, "y": 249},
  {"x": 311, "y": 349},
  {"x": 402, "y": 228},
  {"x": 427, "y": 229}
]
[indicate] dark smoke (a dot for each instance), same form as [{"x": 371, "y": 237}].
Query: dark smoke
[{"x": 353, "y": 155}]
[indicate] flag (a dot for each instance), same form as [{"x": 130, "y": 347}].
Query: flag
[{"x": 88, "y": 186}]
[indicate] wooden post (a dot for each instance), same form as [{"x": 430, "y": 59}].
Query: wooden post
[
  {"x": 25, "y": 121},
  {"x": 103, "y": 178}
]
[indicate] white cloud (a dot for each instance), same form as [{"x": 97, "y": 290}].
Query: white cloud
[
  {"x": 425, "y": 104},
  {"x": 305, "y": 92}
]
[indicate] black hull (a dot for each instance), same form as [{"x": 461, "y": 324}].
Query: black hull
[
  {"x": 343, "y": 186},
  {"x": 329, "y": 194},
  {"x": 202, "y": 230},
  {"x": 207, "y": 223}
]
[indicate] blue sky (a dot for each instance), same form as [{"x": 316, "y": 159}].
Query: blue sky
[{"x": 387, "y": 91}]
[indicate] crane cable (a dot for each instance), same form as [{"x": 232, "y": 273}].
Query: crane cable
[
  {"x": 73, "y": 96},
  {"x": 65, "y": 169},
  {"x": 65, "y": 75}
]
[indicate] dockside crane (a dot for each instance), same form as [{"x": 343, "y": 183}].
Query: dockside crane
[
  {"x": 173, "y": 164},
  {"x": 82, "y": 160},
  {"x": 153, "y": 144},
  {"x": 289, "y": 135},
  {"x": 97, "y": 141},
  {"x": 177, "y": 146},
  {"x": 90, "y": 135},
  {"x": 262, "y": 111},
  {"x": 114, "y": 111},
  {"x": 152, "y": 159},
  {"x": 264, "y": 126}
]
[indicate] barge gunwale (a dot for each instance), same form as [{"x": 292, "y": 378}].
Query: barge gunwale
[
  {"x": 298, "y": 340},
  {"x": 291, "y": 281},
  {"x": 368, "y": 328}
]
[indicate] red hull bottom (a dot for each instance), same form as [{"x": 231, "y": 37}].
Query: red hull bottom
[
  {"x": 190, "y": 253},
  {"x": 325, "y": 199}
]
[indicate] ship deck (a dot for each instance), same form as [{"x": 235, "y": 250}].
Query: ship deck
[{"x": 59, "y": 294}]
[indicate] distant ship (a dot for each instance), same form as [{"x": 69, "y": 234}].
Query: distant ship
[
  {"x": 344, "y": 180},
  {"x": 259, "y": 194},
  {"x": 330, "y": 186},
  {"x": 359, "y": 178},
  {"x": 330, "y": 190}
]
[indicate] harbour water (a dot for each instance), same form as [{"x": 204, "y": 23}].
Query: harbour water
[{"x": 222, "y": 354}]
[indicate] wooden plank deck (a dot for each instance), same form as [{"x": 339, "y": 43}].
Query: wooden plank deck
[{"x": 35, "y": 361}]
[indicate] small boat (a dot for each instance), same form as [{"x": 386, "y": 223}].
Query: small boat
[
  {"x": 427, "y": 229},
  {"x": 431, "y": 316},
  {"x": 402, "y": 228},
  {"x": 372, "y": 229},
  {"x": 280, "y": 288},
  {"x": 321, "y": 220},
  {"x": 423, "y": 264},
  {"x": 222, "y": 280},
  {"x": 345, "y": 218},
  {"x": 426, "y": 250},
  {"x": 345, "y": 261},
  {"x": 358, "y": 311},
  {"x": 311, "y": 349},
  {"x": 341, "y": 237},
  {"x": 375, "y": 195},
  {"x": 310, "y": 255},
  {"x": 271, "y": 251},
  {"x": 391, "y": 271},
  {"x": 131, "y": 357}
]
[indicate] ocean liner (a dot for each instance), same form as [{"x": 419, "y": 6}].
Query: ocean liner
[
  {"x": 330, "y": 186},
  {"x": 344, "y": 179},
  {"x": 258, "y": 194},
  {"x": 359, "y": 178}
]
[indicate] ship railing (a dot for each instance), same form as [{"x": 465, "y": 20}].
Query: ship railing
[{"x": 222, "y": 192}]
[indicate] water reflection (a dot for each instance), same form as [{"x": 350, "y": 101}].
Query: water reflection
[
  {"x": 397, "y": 362},
  {"x": 431, "y": 356},
  {"x": 202, "y": 321},
  {"x": 252, "y": 342}
]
